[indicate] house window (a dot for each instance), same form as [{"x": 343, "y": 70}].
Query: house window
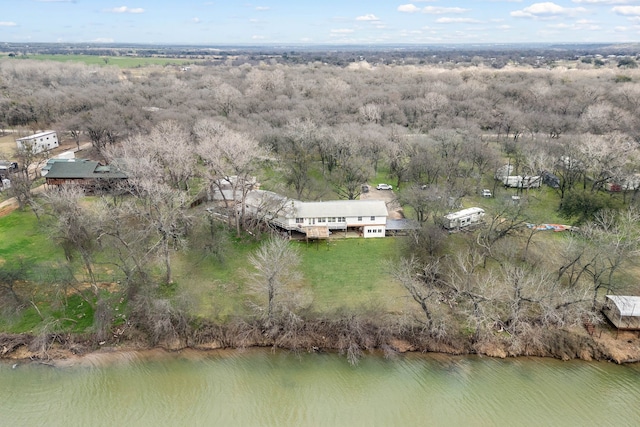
[
  {"x": 299, "y": 220},
  {"x": 321, "y": 220},
  {"x": 373, "y": 218},
  {"x": 359, "y": 218},
  {"x": 342, "y": 219},
  {"x": 332, "y": 219}
]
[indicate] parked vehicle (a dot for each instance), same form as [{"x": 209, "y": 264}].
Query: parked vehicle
[
  {"x": 486, "y": 193},
  {"x": 384, "y": 187}
]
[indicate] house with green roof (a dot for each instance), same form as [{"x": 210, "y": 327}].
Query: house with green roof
[{"x": 89, "y": 174}]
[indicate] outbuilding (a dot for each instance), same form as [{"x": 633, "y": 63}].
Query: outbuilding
[
  {"x": 39, "y": 142},
  {"x": 623, "y": 311}
]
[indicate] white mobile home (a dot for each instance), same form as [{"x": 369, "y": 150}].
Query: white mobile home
[
  {"x": 463, "y": 218},
  {"x": 39, "y": 142},
  {"x": 503, "y": 171},
  {"x": 525, "y": 181}
]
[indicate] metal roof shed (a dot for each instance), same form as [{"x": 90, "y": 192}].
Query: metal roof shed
[{"x": 623, "y": 311}]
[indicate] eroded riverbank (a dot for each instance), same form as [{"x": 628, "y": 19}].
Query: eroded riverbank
[{"x": 68, "y": 349}]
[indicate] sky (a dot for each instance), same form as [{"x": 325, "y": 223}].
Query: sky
[{"x": 201, "y": 22}]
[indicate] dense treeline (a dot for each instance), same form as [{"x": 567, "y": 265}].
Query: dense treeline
[
  {"x": 315, "y": 131},
  {"x": 495, "y": 56}
]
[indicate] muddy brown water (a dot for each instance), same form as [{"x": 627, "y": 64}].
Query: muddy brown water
[{"x": 261, "y": 387}]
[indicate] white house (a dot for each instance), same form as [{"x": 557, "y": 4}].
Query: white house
[
  {"x": 39, "y": 142},
  {"x": 463, "y": 218},
  {"x": 315, "y": 219},
  {"x": 368, "y": 217}
]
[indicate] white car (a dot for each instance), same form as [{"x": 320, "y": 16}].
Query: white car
[
  {"x": 486, "y": 193},
  {"x": 384, "y": 187}
]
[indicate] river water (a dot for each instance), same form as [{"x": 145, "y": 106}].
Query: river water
[{"x": 260, "y": 387}]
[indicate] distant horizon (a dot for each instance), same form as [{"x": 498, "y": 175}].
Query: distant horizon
[
  {"x": 331, "y": 22},
  {"x": 218, "y": 46}
]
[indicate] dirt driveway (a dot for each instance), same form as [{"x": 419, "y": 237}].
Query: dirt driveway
[{"x": 389, "y": 196}]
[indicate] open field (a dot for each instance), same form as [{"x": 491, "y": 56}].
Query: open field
[
  {"x": 7, "y": 146},
  {"x": 119, "y": 61}
]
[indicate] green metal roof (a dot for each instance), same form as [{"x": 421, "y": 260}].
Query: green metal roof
[{"x": 83, "y": 169}]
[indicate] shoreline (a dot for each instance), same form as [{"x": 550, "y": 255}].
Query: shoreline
[{"x": 71, "y": 350}]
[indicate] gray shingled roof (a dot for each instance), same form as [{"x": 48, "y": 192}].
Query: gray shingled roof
[{"x": 342, "y": 208}]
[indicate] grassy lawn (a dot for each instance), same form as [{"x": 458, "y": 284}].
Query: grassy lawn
[
  {"x": 215, "y": 288},
  {"x": 21, "y": 238},
  {"x": 352, "y": 273},
  {"x": 344, "y": 273},
  {"x": 119, "y": 61},
  {"x": 542, "y": 202}
]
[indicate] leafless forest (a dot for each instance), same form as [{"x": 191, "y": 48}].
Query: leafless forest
[{"x": 312, "y": 131}]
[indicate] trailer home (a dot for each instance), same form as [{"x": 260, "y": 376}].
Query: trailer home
[
  {"x": 526, "y": 181},
  {"x": 463, "y": 218}
]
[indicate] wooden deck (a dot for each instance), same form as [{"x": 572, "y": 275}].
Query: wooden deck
[{"x": 316, "y": 232}]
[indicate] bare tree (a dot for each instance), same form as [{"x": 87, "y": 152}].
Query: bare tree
[
  {"x": 423, "y": 282},
  {"x": 74, "y": 228},
  {"x": 161, "y": 189},
  {"x": 296, "y": 151},
  {"x": 507, "y": 220},
  {"x": 274, "y": 278},
  {"x": 350, "y": 176},
  {"x": 231, "y": 156},
  {"x": 29, "y": 162}
]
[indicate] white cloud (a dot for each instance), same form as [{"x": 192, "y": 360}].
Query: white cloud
[
  {"x": 342, "y": 31},
  {"x": 581, "y": 25},
  {"x": 408, "y": 8},
  {"x": 103, "y": 40},
  {"x": 446, "y": 20},
  {"x": 262, "y": 8},
  {"x": 627, "y": 10},
  {"x": 597, "y": 2},
  {"x": 56, "y": 1},
  {"x": 196, "y": 20},
  {"x": 546, "y": 10},
  {"x": 8, "y": 24},
  {"x": 257, "y": 37},
  {"x": 125, "y": 9},
  {"x": 437, "y": 10},
  {"x": 432, "y": 10},
  {"x": 368, "y": 17}
]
